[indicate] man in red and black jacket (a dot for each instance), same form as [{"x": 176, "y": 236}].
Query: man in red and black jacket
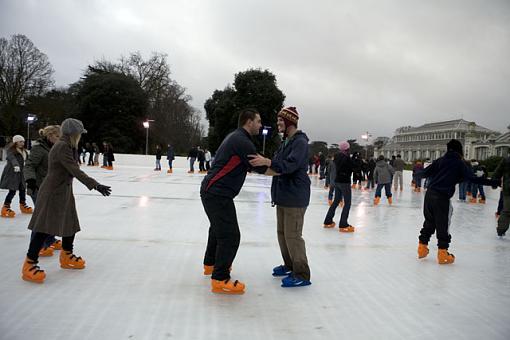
[{"x": 219, "y": 187}]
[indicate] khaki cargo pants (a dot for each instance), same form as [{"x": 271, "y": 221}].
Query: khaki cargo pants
[{"x": 292, "y": 246}]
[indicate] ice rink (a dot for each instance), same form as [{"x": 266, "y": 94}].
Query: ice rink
[{"x": 143, "y": 280}]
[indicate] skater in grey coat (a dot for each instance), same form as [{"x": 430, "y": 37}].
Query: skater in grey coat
[
  {"x": 383, "y": 175},
  {"x": 12, "y": 177}
]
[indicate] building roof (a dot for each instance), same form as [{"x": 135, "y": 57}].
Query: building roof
[
  {"x": 449, "y": 125},
  {"x": 504, "y": 138}
]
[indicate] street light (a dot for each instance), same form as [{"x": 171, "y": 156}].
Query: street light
[
  {"x": 265, "y": 131},
  {"x": 146, "y": 125},
  {"x": 30, "y": 120},
  {"x": 366, "y": 137}
]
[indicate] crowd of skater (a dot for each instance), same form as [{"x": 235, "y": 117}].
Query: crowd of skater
[{"x": 48, "y": 170}]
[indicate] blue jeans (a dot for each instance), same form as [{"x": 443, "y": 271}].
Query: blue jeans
[
  {"x": 342, "y": 190},
  {"x": 387, "y": 189},
  {"x": 478, "y": 188},
  {"x": 158, "y": 164},
  {"x": 462, "y": 190},
  {"x": 417, "y": 181},
  {"x": 170, "y": 163},
  {"x": 192, "y": 163}
]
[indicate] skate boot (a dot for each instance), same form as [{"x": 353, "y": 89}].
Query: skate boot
[
  {"x": 57, "y": 245},
  {"x": 444, "y": 257},
  {"x": 25, "y": 209},
  {"x": 208, "y": 269},
  {"x": 227, "y": 287},
  {"x": 7, "y": 212},
  {"x": 349, "y": 229},
  {"x": 191, "y": 172},
  {"x": 169, "y": 171},
  {"x": 46, "y": 252},
  {"x": 281, "y": 270},
  {"x": 423, "y": 250},
  {"x": 481, "y": 201},
  {"x": 31, "y": 272},
  {"x": 330, "y": 202},
  {"x": 291, "y": 281},
  {"x": 110, "y": 167},
  {"x": 390, "y": 200},
  {"x": 70, "y": 261},
  {"x": 353, "y": 186},
  {"x": 331, "y": 225},
  {"x": 377, "y": 200}
]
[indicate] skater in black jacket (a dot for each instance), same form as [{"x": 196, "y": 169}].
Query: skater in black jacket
[
  {"x": 218, "y": 189},
  {"x": 444, "y": 174}
]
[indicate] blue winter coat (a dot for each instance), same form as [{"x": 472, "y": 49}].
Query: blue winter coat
[{"x": 292, "y": 187}]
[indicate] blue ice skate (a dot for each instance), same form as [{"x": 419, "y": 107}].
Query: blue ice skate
[
  {"x": 291, "y": 281},
  {"x": 281, "y": 271}
]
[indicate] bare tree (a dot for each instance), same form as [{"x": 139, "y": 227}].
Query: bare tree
[
  {"x": 176, "y": 121},
  {"x": 24, "y": 70}
]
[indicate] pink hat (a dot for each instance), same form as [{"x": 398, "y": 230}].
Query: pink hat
[{"x": 344, "y": 146}]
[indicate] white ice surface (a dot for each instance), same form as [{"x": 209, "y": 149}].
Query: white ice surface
[{"x": 144, "y": 247}]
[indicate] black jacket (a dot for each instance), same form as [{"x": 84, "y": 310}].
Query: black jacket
[
  {"x": 344, "y": 166},
  {"x": 445, "y": 172},
  {"x": 158, "y": 153},
  {"x": 230, "y": 165},
  {"x": 292, "y": 187}
]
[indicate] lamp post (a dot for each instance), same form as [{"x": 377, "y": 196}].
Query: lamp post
[
  {"x": 366, "y": 137},
  {"x": 146, "y": 125},
  {"x": 265, "y": 131},
  {"x": 30, "y": 120}
]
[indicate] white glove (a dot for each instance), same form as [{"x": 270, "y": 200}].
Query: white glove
[{"x": 17, "y": 169}]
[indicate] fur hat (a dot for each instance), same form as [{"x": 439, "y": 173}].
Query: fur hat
[{"x": 18, "y": 138}]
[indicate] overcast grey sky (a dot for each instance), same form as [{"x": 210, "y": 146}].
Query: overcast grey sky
[{"x": 348, "y": 66}]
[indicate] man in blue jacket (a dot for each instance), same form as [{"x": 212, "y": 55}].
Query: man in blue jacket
[
  {"x": 290, "y": 192},
  {"x": 443, "y": 175},
  {"x": 218, "y": 189}
]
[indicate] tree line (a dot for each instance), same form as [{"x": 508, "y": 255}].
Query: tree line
[{"x": 112, "y": 98}]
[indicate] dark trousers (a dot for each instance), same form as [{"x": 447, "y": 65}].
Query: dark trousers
[
  {"x": 91, "y": 158},
  {"x": 504, "y": 218},
  {"x": 201, "y": 165},
  {"x": 224, "y": 235},
  {"x": 342, "y": 191},
  {"x": 207, "y": 165},
  {"x": 500, "y": 203},
  {"x": 387, "y": 189},
  {"x": 478, "y": 188},
  {"x": 12, "y": 193},
  {"x": 36, "y": 244},
  {"x": 437, "y": 210},
  {"x": 370, "y": 182}
]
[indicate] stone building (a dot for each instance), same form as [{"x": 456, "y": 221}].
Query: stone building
[{"x": 429, "y": 141}]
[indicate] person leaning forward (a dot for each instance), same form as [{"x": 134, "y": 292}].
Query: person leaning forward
[{"x": 218, "y": 189}]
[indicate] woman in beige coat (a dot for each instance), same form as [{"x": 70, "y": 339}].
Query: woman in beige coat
[{"x": 55, "y": 212}]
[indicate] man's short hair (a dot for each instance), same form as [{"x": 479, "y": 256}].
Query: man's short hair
[
  {"x": 246, "y": 115},
  {"x": 398, "y": 156}
]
